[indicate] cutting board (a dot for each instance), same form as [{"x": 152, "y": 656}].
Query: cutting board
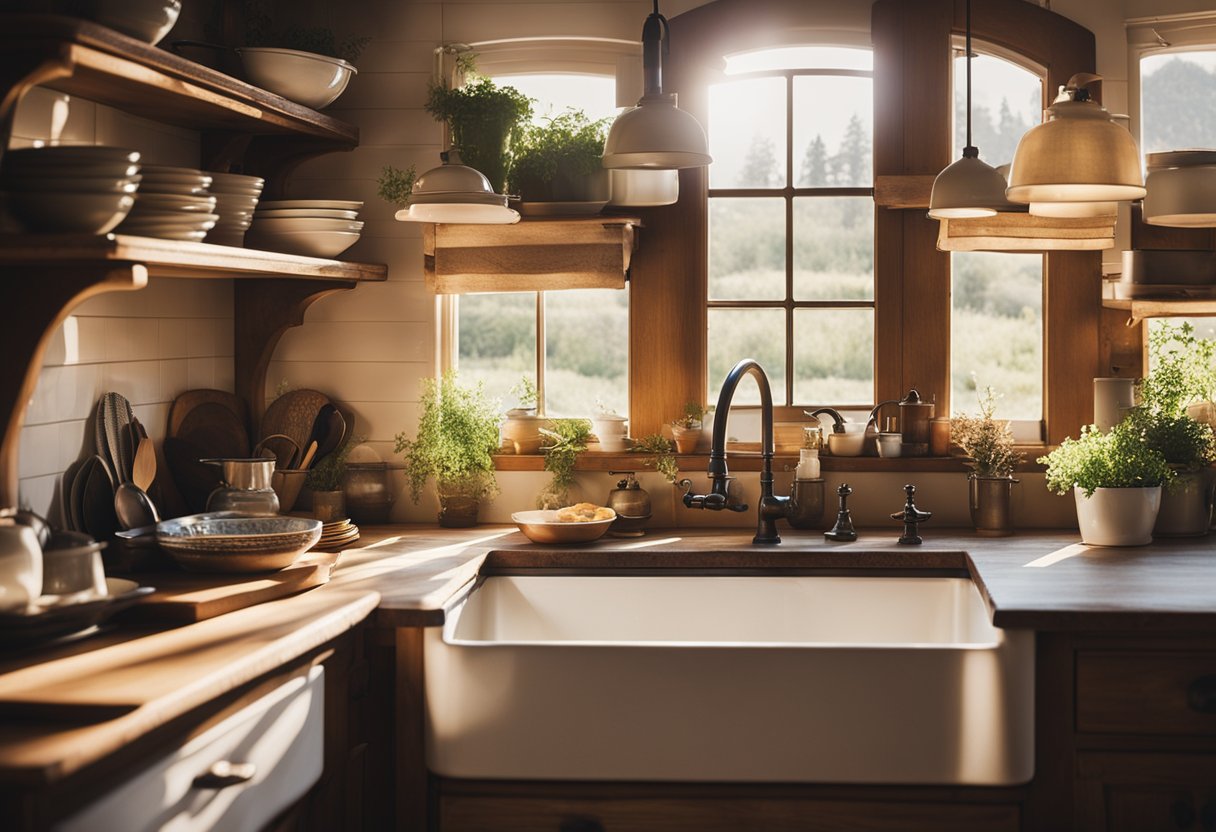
[{"x": 185, "y": 597}]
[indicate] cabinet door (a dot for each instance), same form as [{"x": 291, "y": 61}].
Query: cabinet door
[
  {"x": 470, "y": 813},
  {"x": 1129, "y": 792}
]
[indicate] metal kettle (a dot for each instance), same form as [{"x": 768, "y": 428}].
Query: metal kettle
[{"x": 631, "y": 504}]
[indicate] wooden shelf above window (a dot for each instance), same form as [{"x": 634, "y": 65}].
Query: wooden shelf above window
[
  {"x": 1142, "y": 308},
  {"x": 1022, "y": 232},
  {"x": 530, "y": 256}
]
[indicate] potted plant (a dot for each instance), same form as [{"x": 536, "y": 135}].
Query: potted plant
[
  {"x": 567, "y": 439},
  {"x": 483, "y": 120},
  {"x": 989, "y": 444},
  {"x": 1188, "y": 447},
  {"x": 1116, "y": 480},
  {"x": 325, "y": 480},
  {"x": 560, "y": 162},
  {"x": 687, "y": 429},
  {"x": 395, "y": 185},
  {"x": 610, "y": 429},
  {"x": 457, "y": 437},
  {"x": 1183, "y": 377},
  {"x": 521, "y": 429}
]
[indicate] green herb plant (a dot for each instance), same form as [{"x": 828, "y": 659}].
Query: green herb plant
[
  {"x": 457, "y": 437},
  {"x": 260, "y": 30},
  {"x": 1117, "y": 459},
  {"x": 484, "y": 120},
  {"x": 662, "y": 455},
  {"x": 987, "y": 441},
  {"x": 1183, "y": 369},
  {"x": 1183, "y": 442},
  {"x": 329, "y": 472},
  {"x": 566, "y": 148},
  {"x": 525, "y": 393},
  {"x": 567, "y": 439},
  {"x": 694, "y": 413},
  {"x": 395, "y": 185}
]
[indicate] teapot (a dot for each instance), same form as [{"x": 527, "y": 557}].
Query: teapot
[{"x": 247, "y": 487}]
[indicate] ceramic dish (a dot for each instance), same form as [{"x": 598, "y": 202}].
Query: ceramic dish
[
  {"x": 303, "y": 77},
  {"x": 308, "y": 224},
  {"x": 543, "y": 527},
  {"x": 305, "y": 243},
  {"x": 237, "y": 182},
  {"x": 325, "y": 204},
  {"x": 174, "y": 202},
  {"x": 50, "y": 618},
  {"x": 63, "y": 155},
  {"x": 146, "y": 20},
  {"x": 75, "y": 184},
  {"x": 297, "y": 213},
  {"x": 231, "y": 542},
  {"x": 84, "y": 213}
]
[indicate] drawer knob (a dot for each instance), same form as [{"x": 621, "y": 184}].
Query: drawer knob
[
  {"x": 223, "y": 774},
  {"x": 1201, "y": 695}
]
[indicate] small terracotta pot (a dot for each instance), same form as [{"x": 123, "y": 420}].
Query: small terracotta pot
[{"x": 686, "y": 439}]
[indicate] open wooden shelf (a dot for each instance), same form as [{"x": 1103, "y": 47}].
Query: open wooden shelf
[
  {"x": 94, "y": 62},
  {"x": 1141, "y": 308}
]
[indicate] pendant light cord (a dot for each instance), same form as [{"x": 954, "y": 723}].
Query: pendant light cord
[{"x": 969, "y": 150}]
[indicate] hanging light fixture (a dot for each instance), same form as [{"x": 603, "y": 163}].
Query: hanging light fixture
[
  {"x": 655, "y": 134},
  {"x": 1181, "y": 188},
  {"x": 454, "y": 192},
  {"x": 968, "y": 187},
  {"x": 1080, "y": 154}
]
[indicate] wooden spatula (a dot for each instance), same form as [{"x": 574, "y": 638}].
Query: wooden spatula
[{"x": 143, "y": 471}]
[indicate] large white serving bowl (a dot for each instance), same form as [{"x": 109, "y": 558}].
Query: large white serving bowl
[
  {"x": 84, "y": 213},
  {"x": 76, "y": 184},
  {"x": 325, "y": 204},
  {"x": 174, "y": 202},
  {"x": 28, "y": 158},
  {"x": 303, "y": 77},
  {"x": 296, "y": 213},
  {"x": 236, "y": 183},
  {"x": 146, "y": 20},
  {"x": 306, "y": 224},
  {"x": 200, "y": 220},
  {"x": 306, "y": 243},
  {"x": 729, "y": 678}
]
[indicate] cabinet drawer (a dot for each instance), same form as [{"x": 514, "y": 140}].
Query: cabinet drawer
[
  {"x": 236, "y": 776},
  {"x": 468, "y": 813},
  {"x": 1168, "y": 693}
]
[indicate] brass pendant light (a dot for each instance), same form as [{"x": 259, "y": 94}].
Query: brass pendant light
[
  {"x": 968, "y": 187},
  {"x": 1080, "y": 154}
]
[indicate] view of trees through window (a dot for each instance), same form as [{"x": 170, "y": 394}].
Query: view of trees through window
[
  {"x": 586, "y": 342},
  {"x": 996, "y": 319},
  {"x": 1177, "y": 101},
  {"x": 791, "y": 225}
]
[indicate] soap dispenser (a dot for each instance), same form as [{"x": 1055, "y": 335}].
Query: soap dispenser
[{"x": 631, "y": 504}]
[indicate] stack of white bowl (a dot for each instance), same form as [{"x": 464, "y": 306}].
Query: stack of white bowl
[
  {"x": 81, "y": 189},
  {"x": 311, "y": 227},
  {"x": 236, "y": 196},
  {"x": 172, "y": 204}
]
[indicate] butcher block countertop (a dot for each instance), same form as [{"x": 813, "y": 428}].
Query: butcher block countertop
[{"x": 66, "y": 707}]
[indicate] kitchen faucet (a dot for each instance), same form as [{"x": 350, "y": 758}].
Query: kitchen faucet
[{"x": 771, "y": 508}]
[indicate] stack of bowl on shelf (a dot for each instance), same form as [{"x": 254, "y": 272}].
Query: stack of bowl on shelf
[
  {"x": 310, "y": 227},
  {"x": 172, "y": 204},
  {"x": 236, "y": 196},
  {"x": 75, "y": 189}
]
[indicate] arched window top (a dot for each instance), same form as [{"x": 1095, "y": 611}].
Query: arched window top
[{"x": 800, "y": 57}]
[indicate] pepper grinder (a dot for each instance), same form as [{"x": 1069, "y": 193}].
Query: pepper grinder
[
  {"x": 843, "y": 530},
  {"x": 912, "y": 517}
]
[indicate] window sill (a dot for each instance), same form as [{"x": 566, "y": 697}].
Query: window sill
[{"x": 750, "y": 461}]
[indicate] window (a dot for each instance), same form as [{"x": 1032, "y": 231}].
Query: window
[
  {"x": 791, "y": 224},
  {"x": 996, "y": 320},
  {"x": 574, "y": 343},
  {"x": 1178, "y": 100}
]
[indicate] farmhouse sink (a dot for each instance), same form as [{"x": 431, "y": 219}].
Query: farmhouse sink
[{"x": 729, "y": 678}]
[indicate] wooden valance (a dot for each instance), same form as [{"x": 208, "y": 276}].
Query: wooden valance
[
  {"x": 532, "y": 255},
  {"x": 1023, "y": 232}
]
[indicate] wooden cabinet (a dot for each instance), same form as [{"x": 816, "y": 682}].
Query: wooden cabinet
[{"x": 1146, "y": 792}]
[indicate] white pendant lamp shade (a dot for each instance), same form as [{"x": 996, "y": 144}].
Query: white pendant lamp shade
[
  {"x": 967, "y": 188},
  {"x": 638, "y": 188},
  {"x": 1073, "y": 210},
  {"x": 1080, "y": 154},
  {"x": 1181, "y": 189},
  {"x": 656, "y": 134},
  {"x": 456, "y": 193}
]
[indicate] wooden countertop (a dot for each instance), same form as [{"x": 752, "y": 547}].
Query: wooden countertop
[{"x": 1034, "y": 580}]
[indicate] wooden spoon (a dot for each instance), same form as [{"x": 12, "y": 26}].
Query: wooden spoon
[
  {"x": 309, "y": 454},
  {"x": 143, "y": 472}
]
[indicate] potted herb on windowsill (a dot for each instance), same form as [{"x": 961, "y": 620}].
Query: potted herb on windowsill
[
  {"x": 687, "y": 429},
  {"x": 567, "y": 438},
  {"x": 1183, "y": 377},
  {"x": 457, "y": 437},
  {"x": 521, "y": 429},
  {"x": 484, "y": 121},
  {"x": 1116, "y": 480},
  {"x": 989, "y": 444},
  {"x": 1188, "y": 447},
  {"x": 556, "y": 168}
]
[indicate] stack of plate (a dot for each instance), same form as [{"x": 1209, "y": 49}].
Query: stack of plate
[
  {"x": 173, "y": 204},
  {"x": 83, "y": 189},
  {"x": 338, "y": 534},
  {"x": 311, "y": 227},
  {"x": 235, "y": 198}
]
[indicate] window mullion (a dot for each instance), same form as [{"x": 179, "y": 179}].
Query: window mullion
[
  {"x": 540, "y": 353},
  {"x": 789, "y": 239}
]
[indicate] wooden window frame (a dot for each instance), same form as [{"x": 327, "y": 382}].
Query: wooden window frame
[{"x": 912, "y": 42}]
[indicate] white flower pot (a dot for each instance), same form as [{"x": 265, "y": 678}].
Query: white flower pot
[
  {"x": 1117, "y": 516},
  {"x": 611, "y": 431}
]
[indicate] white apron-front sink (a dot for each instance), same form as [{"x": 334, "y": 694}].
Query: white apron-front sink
[{"x": 729, "y": 678}]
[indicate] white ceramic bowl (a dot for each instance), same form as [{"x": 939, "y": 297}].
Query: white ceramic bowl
[
  {"x": 178, "y": 235},
  {"x": 89, "y": 213},
  {"x": 236, "y": 183},
  {"x": 324, "y": 204},
  {"x": 306, "y": 243},
  {"x": 196, "y": 220},
  {"x": 76, "y": 154},
  {"x": 197, "y": 203},
  {"x": 303, "y": 77},
  {"x": 75, "y": 184},
  {"x": 146, "y": 20},
  {"x": 296, "y": 213},
  {"x": 307, "y": 224}
]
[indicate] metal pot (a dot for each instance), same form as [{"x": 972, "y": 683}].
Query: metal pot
[
  {"x": 990, "y": 499},
  {"x": 632, "y": 506}
]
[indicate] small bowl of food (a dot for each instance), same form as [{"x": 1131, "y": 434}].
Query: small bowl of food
[{"x": 581, "y": 523}]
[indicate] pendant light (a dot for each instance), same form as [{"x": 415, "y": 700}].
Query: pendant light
[
  {"x": 456, "y": 193},
  {"x": 1181, "y": 188},
  {"x": 1080, "y": 154},
  {"x": 968, "y": 187},
  {"x": 655, "y": 134}
]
